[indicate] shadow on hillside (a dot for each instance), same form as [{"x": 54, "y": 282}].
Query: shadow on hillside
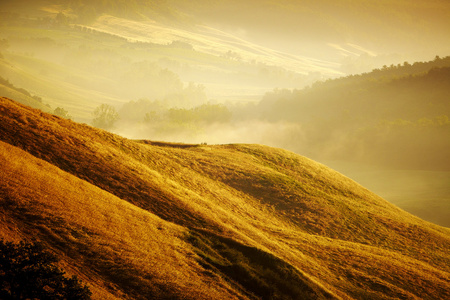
[
  {"x": 257, "y": 273},
  {"x": 169, "y": 144}
]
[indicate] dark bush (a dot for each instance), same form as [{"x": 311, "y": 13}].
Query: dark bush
[{"x": 28, "y": 271}]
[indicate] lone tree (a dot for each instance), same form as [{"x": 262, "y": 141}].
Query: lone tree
[
  {"x": 61, "y": 112},
  {"x": 105, "y": 116},
  {"x": 27, "y": 271}
]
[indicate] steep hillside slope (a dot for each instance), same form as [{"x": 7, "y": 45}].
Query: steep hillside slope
[
  {"x": 140, "y": 218},
  {"x": 108, "y": 242}
]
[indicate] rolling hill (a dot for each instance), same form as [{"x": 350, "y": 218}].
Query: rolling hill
[
  {"x": 22, "y": 96},
  {"x": 312, "y": 28},
  {"x": 354, "y": 27},
  {"x": 138, "y": 219},
  {"x": 394, "y": 116}
]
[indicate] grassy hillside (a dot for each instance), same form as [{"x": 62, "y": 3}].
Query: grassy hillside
[
  {"x": 22, "y": 97},
  {"x": 108, "y": 242},
  {"x": 136, "y": 219}
]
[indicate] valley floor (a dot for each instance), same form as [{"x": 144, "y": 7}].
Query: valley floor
[{"x": 425, "y": 194}]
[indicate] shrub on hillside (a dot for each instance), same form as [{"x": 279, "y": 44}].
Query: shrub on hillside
[
  {"x": 105, "y": 116},
  {"x": 27, "y": 271},
  {"x": 61, "y": 112}
]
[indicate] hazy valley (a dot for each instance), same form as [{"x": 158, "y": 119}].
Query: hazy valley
[{"x": 174, "y": 196}]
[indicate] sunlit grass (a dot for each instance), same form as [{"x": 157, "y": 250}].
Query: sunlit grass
[
  {"x": 141, "y": 217},
  {"x": 118, "y": 241}
]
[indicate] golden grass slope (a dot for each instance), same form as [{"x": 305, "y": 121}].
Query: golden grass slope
[
  {"x": 99, "y": 236},
  {"x": 177, "y": 219}
]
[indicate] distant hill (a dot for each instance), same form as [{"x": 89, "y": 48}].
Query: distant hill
[
  {"x": 396, "y": 115},
  {"x": 357, "y": 35},
  {"x": 21, "y": 95},
  {"x": 351, "y": 27},
  {"x": 46, "y": 50},
  {"x": 142, "y": 219}
]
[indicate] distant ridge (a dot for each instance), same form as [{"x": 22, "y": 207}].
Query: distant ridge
[{"x": 140, "y": 219}]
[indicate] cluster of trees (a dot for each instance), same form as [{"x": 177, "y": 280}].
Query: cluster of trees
[
  {"x": 61, "y": 112},
  {"x": 386, "y": 74},
  {"x": 105, "y": 116},
  {"x": 394, "y": 114},
  {"x": 28, "y": 271},
  {"x": 205, "y": 113},
  {"x": 157, "y": 114}
]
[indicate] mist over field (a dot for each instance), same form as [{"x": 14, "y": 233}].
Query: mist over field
[{"x": 347, "y": 83}]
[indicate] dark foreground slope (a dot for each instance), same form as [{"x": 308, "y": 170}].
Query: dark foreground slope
[{"x": 139, "y": 219}]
